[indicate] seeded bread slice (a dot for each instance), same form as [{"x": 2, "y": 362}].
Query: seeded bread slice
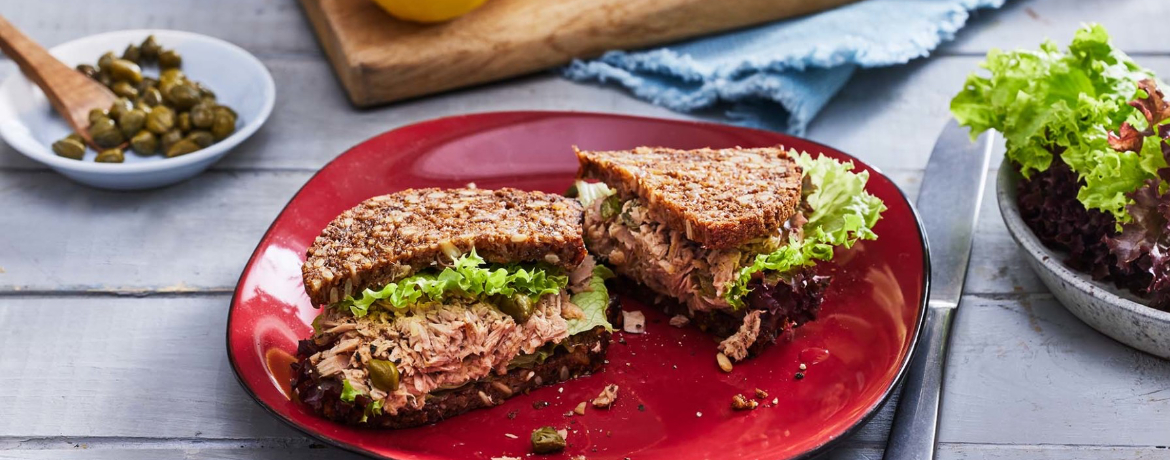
[
  {"x": 389, "y": 237},
  {"x": 718, "y": 198}
]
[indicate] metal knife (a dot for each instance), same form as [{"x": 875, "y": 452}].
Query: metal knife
[{"x": 952, "y": 189}]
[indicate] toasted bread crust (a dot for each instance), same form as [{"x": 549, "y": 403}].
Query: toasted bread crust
[
  {"x": 389, "y": 237},
  {"x": 718, "y": 198}
]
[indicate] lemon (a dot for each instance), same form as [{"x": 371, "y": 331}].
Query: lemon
[{"x": 428, "y": 10}]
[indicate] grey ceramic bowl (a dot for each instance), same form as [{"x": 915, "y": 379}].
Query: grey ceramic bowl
[{"x": 1116, "y": 313}]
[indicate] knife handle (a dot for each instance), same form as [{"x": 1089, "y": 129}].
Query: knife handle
[{"x": 915, "y": 426}]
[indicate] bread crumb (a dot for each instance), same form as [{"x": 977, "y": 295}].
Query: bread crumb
[
  {"x": 679, "y": 321},
  {"x": 741, "y": 402},
  {"x": 510, "y": 435},
  {"x": 607, "y": 397},
  {"x": 633, "y": 322},
  {"x": 761, "y": 394},
  {"x": 580, "y": 410},
  {"x": 698, "y": 414}
]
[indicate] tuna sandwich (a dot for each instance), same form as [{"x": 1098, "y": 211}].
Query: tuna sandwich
[
  {"x": 731, "y": 235},
  {"x": 436, "y": 302}
]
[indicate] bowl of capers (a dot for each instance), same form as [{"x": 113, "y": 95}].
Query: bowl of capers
[{"x": 184, "y": 101}]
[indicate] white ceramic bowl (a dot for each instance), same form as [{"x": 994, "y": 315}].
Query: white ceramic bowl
[
  {"x": 29, "y": 125},
  {"x": 1116, "y": 313}
]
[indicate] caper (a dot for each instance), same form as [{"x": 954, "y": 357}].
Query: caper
[
  {"x": 184, "y": 96},
  {"x": 104, "y": 78},
  {"x": 184, "y": 122},
  {"x": 169, "y": 139},
  {"x": 383, "y": 374},
  {"x": 105, "y": 133},
  {"x": 173, "y": 75},
  {"x": 132, "y": 53},
  {"x": 149, "y": 49},
  {"x": 227, "y": 110},
  {"x": 223, "y": 126},
  {"x": 518, "y": 306},
  {"x": 124, "y": 70},
  {"x": 182, "y": 147},
  {"x": 69, "y": 148},
  {"x": 147, "y": 82},
  {"x": 125, "y": 89},
  {"x": 105, "y": 61},
  {"x": 113, "y": 155},
  {"x": 160, "y": 120},
  {"x": 120, "y": 106},
  {"x": 152, "y": 97},
  {"x": 76, "y": 137},
  {"x": 206, "y": 92},
  {"x": 145, "y": 143},
  {"x": 87, "y": 70},
  {"x": 202, "y": 115},
  {"x": 546, "y": 440},
  {"x": 169, "y": 59},
  {"x": 132, "y": 122},
  {"x": 95, "y": 115},
  {"x": 201, "y": 137}
]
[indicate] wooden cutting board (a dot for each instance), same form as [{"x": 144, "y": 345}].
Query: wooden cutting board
[{"x": 381, "y": 59}]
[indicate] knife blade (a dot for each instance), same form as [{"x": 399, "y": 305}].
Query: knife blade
[{"x": 949, "y": 200}]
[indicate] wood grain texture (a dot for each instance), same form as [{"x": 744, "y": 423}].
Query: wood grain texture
[{"x": 381, "y": 59}]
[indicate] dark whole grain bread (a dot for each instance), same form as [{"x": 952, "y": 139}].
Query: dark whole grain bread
[
  {"x": 583, "y": 354},
  {"x": 389, "y": 237},
  {"x": 719, "y": 198}
]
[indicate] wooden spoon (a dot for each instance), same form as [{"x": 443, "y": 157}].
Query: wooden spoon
[{"x": 71, "y": 93}]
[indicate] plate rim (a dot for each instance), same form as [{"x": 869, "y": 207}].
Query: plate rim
[{"x": 821, "y": 449}]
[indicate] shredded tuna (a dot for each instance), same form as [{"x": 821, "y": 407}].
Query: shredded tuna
[
  {"x": 436, "y": 346},
  {"x": 736, "y": 346}
]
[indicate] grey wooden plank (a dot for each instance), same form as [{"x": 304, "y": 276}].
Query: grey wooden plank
[
  {"x": 1028, "y": 22},
  {"x": 1025, "y": 371},
  {"x": 193, "y": 236},
  {"x": 263, "y": 27}
]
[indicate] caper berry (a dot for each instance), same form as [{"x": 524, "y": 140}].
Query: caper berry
[
  {"x": 184, "y": 96},
  {"x": 125, "y": 89},
  {"x": 132, "y": 122},
  {"x": 69, "y": 148},
  {"x": 223, "y": 126},
  {"x": 149, "y": 49},
  {"x": 145, "y": 143},
  {"x": 106, "y": 134},
  {"x": 95, "y": 115},
  {"x": 105, "y": 61},
  {"x": 132, "y": 53},
  {"x": 87, "y": 70},
  {"x": 169, "y": 139},
  {"x": 152, "y": 97},
  {"x": 383, "y": 374},
  {"x": 202, "y": 115},
  {"x": 546, "y": 440},
  {"x": 120, "y": 106},
  {"x": 170, "y": 59},
  {"x": 182, "y": 147},
  {"x": 160, "y": 120},
  {"x": 518, "y": 306},
  {"x": 184, "y": 122},
  {"x": 113, "y": 155}
]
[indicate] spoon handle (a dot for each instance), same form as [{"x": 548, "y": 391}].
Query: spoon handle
[{"x": 71, "y": 93}]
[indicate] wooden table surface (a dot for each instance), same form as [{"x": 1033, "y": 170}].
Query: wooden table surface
[{"x": 113, "y": 305}]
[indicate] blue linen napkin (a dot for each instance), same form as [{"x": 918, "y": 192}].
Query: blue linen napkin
[{"x": 778, "y": 76}]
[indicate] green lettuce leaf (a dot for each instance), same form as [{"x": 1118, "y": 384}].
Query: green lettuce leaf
[
  {"x": 588, "y": 192},
  {"x": 469, "y": 277},
  {"x": 1053, "y": 100},
  {"x": 348, "y": 392},
  {"x": 594, "y": 302},
  {"x": 842, "y": 213}
]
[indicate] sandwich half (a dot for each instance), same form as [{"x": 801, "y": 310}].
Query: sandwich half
[
  {"x": 731, "y": 234},
  {"x": 436, "y": 302}
]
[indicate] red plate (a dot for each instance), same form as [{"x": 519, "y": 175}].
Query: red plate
[{"x": 674, "y": 402}]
